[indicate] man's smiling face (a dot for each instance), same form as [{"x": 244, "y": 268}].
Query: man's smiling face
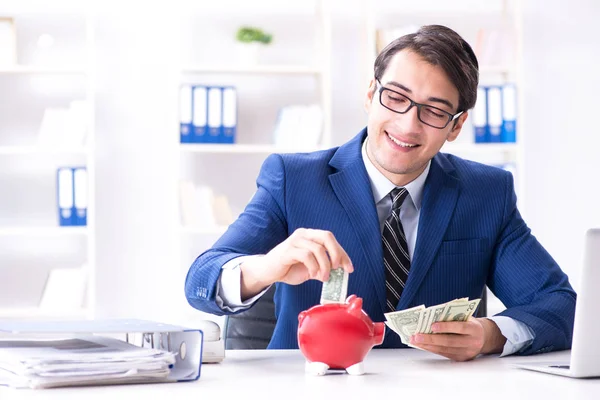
[{"x": 400, "y": 145}]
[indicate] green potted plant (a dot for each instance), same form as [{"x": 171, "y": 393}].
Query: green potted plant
[{"x": 251, "y": 39}]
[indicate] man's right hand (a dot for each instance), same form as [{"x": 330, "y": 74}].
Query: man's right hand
[{"x": 306, "y": 254}]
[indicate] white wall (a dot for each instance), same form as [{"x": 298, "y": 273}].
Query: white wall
[{"x": 562, "y": 137}]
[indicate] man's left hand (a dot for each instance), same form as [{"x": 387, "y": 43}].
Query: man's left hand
[{"x": 461, "y": 341}]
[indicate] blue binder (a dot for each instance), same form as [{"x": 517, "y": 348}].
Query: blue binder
[
  {"x": 215, "y": 114},
  {"x": 185, "y": 114},
  {"x": 509, "y": 113},
  {"x": 65, "y": 196},
  {"x": 200, "y": 114},
  {"x": 80, "y": 196},
  {"x": 480, "y": 117},
  {"x": 229, "y": 114},
  {"x": 494, "y": 113}
]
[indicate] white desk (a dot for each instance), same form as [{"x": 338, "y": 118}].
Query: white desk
[{"x": 400, "y": 374}]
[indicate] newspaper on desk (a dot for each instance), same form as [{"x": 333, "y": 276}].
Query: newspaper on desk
[{"x": 75, "y": 361}]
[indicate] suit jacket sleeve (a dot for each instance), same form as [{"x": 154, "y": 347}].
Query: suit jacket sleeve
[
  {"x": 257, "y": 230},
  {"x": 529, "y": 282}
]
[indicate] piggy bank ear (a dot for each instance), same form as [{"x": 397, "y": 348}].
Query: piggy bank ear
[
  {"x": 301, "y": 316},
  {"x": 355, "y": 305},
  {"x": 350, "y": 299}
]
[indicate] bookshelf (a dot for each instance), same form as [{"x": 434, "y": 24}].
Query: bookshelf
[
  {"x": 48, "y": 74},
  {"x": 280, "y": 78}
]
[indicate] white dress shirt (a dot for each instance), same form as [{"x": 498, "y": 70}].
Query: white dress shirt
[{"x": 228, "y": 294}]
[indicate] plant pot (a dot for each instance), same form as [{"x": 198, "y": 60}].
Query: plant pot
[{"x": 248, "y": 53}]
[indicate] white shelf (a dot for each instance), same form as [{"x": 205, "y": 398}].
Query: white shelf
[
  {"x": 43, "y": 231},
  {"x": 32, "y": 150},
  {"x": 241, "y": 148},
  {"x": 480, "y": 148},
  {"x": 34, "y": 69},
  {"x": 257, "y": 69},
  {"x": 190, "y": 230},
  {"x": 39, "y": 313}
]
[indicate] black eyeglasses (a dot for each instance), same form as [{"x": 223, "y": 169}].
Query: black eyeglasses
[{"x": 429, "y": 115}]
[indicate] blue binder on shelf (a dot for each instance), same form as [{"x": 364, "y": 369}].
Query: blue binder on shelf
[
  {"x": 215, "y": 114},
  {"x": 229, "y": 114},
  {"x": 186, "y": 343},
  {"x": 200, "y": 114},
  {"x": 80, "y": 196},
  {"x": 65, "y": 196},
  {"x": 185, "y": 114},
  {"x": 509, "y": 113},
  {"x": 480, "y": 116},
  {"x": 494, "y": 114}
]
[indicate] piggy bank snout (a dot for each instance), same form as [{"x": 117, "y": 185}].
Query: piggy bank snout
[{"x": 378, "y": 332}]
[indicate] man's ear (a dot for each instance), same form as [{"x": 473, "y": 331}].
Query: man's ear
[
  {"x": 457, "y": 125},
  {"x": 370, "y": 93}
]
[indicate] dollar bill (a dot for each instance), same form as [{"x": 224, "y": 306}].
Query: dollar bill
[
  {"x": 335, "y": 290},
  {"x": 404, "y": 322},
  {"x": 435, "y": 314},
  {"x": 460, "y": 311}
]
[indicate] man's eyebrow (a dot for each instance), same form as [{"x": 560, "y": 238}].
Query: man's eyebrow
[{"x": 433, "y": 99}]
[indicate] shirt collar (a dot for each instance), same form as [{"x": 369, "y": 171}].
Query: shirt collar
[{"x": 382, "y": 186}]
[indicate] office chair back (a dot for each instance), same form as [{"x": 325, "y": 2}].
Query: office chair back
[{"x": 253, "y": 328}]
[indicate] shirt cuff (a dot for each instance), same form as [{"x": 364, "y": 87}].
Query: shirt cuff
[
  {"x": 517, "y": 334},
  {"x": 228, "y": 295}
]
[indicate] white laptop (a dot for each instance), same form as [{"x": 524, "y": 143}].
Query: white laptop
[{"x": 585, "y": 349}]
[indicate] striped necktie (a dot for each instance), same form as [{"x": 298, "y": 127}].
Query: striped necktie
[{"x": 395, "y": 251}]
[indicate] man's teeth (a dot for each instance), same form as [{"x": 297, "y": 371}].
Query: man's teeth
[{"x": 399, "y": 143}]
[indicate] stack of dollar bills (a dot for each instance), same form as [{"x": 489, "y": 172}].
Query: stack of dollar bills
[{"x": 419, "y": 319}]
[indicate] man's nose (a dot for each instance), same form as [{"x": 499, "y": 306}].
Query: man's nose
[{"x": 409, "y": 121}]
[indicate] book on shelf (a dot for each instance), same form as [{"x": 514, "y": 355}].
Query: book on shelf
[
  {"x": 201, "y": 207},
  {"x": 8, "y": 42},
  {"x": 299, "y": 126},
  {"x": 64, "y": 292},
  {"x": 64, "y": 126}
]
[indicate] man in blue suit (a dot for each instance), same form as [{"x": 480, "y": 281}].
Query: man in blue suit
[{"x": 327, "y": 209}]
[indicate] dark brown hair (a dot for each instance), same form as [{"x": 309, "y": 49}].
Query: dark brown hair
[{"x": 441, "y": 46}]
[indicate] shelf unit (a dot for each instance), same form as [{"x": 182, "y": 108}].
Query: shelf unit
[
  {"x": 466, "y": 17},
  {"x": 253, "y": 141},
  {"x": 33, "y": 236}
]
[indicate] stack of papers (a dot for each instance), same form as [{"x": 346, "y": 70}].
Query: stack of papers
[{"x": 75, "y": 361}]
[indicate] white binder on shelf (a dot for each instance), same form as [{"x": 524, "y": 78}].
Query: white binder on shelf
[
  {"x": 80, "y": 196},
  {"x": 229, "y": 114},
  {"x": 480, "y": 120},
  {"x": 199, "y": 117},
  {"x": 494, "y": 104},
  {"x": 65, "y": 196},
  {"x": 186, "y": 344},
  {"x": 509, "y": 113},
  {"x": 185, "y": 114},
  {"x": 215, "y": 114}
]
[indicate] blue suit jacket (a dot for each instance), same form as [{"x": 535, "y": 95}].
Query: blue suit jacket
[{"x": 470, "y": 234}]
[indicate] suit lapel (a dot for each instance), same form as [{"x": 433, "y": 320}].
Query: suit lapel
[
  {"x": 352, "y": 187},
  {"x": 439, "y": 199}
]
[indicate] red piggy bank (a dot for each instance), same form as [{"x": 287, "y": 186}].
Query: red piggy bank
[{"x": 337, "y": 336}]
